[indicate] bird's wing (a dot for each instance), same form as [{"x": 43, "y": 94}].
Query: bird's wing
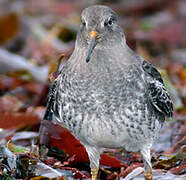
[
  {"x": 49, "y": 114},
  {"x": 50, "y": 102},
  {"x": 158, "y": 94},
  {"x": 51, "y": 105}
]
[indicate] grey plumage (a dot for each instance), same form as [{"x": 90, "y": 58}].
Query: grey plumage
[{"x": 116, "y": 100}]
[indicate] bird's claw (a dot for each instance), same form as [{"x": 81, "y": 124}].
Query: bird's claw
[{"x": 148, "y": 176}]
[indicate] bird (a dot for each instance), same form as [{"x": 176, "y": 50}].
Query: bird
[{"x": 106, "y": 95}]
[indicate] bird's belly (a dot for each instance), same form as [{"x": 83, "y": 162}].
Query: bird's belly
[
  {"x": 109, "y": 134},
  {"x": 106, "y": 139},
  {"x": 112, "y": 133}
]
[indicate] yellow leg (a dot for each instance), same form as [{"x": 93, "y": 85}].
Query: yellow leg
[
  {"x": 148, "y": 176},
  {"x": 94, "y": 173}
]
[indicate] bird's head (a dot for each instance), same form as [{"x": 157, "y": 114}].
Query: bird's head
[{"x": 99, "y": 29}]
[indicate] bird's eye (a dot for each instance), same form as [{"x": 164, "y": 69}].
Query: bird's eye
[
  {"x": 109, "y": 22},
  {"x": 83, "y": 23}
]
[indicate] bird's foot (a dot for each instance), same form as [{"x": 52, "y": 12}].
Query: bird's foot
[
  {"x": 94, "y": 173},
  {"x": 148, "y": 175}
]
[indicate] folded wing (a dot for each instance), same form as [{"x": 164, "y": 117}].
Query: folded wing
[{"x": 158, "y": 94}]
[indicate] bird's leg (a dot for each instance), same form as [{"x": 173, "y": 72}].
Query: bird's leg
[
  {"x": 145, "y": 153},
  {"x": 94, "y": 156},
  {"x": 94, "y": 173}
]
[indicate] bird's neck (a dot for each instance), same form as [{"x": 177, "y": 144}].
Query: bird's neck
[{"x": 102, "y": 58}]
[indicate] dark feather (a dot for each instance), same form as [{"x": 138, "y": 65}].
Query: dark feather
[
  {"x": 159, "y": 96},
  {"x": 50, "y": 102}
]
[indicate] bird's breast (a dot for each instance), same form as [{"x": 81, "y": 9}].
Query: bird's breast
[{"x": 109, "y": 109}]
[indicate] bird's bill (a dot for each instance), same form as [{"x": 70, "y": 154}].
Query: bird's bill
[{"x": 93, "y": 41}]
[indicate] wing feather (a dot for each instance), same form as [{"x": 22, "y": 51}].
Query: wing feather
[
  {"x": 158, "y": 94},
  {"x": 51, "y": 98}
]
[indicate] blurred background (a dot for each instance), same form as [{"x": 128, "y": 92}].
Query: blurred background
[{"x": 34, "y": 34}]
